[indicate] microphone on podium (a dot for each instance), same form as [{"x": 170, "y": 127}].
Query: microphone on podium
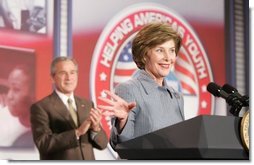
[
  {"x": 231, "y": 98},
  {"x": 229, "y": 89},
  {"x": 216, "y": 90}
]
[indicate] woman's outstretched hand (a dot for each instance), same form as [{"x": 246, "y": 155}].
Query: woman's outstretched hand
[{"x": 116, "y": 107}]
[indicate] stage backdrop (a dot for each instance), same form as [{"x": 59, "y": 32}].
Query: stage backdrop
[{"x": 101, "y": 43}]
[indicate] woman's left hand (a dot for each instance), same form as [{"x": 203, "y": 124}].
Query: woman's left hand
[{"x": 117, "y": 107}]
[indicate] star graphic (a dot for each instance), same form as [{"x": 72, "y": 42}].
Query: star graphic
[
  {"x": 203, "y": 104},
  {"x": 103, "y": 94},
  {"x": 203, "y": 88},
  {"x": 129, "y": 51},
  {"x": 103, "y": 76},
  {"x": 126, "y": 57}
]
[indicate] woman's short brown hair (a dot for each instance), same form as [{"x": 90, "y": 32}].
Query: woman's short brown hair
[{"x": 149, "y": 37}]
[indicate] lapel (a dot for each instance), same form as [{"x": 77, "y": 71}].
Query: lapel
[
  {"x": 83, "y": 109},
  {"x": 149, "y": 85},
  {"x": 60, "y": 108},
  {"x": 179, "y": 99}
]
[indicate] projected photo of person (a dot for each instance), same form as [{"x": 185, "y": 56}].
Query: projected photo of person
[
  {"x": 24, "y": 15},
  {"x": 17, "y": 92}
]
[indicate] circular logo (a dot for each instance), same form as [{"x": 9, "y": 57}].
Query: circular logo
[
  {"x": 245, "y": 130},
  {"x": 112, "y": 61}
]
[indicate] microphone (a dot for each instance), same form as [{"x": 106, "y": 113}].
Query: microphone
[
  {"x": 231, "y": 99},
  {"x": 216, "y": 90},
  {"x": 229, "y": 89}
]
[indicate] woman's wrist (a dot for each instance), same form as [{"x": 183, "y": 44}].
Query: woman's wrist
[
  {"x": 96, "y": 129},
  {"x": 121, "y": 123}
]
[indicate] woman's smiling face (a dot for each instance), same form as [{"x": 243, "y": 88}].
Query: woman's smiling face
[{"x": 160, "y": 59}]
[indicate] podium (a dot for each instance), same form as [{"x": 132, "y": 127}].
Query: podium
[{"x": 202, "y": 137}]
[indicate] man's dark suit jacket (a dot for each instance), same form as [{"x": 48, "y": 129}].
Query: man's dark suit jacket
[{"x": 54, "y": 130}]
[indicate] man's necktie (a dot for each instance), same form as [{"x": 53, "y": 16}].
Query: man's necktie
[{"x": 72, "y": 112}]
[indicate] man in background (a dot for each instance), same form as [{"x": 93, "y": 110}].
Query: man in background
[{"x": 65, "y": 126}]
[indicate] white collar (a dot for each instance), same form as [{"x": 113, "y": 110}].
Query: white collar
[{"x": 64, "y": 98}]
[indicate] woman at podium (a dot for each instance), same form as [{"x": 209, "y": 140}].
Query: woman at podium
[{"x": 146, "y": 102}]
